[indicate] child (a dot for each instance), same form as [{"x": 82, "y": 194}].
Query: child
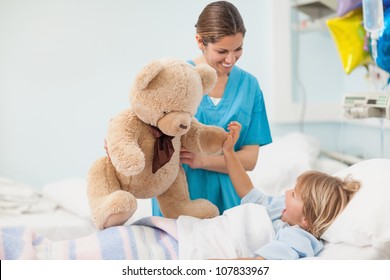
[{"x": 302, "y": 215}]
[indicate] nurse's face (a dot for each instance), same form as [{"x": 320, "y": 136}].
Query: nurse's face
[{"x": 224, "y": 54}]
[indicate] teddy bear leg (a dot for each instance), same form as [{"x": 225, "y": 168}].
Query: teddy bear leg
[
  {"x": 109, "y": 204},
  {"x": 176, "y": 201}
]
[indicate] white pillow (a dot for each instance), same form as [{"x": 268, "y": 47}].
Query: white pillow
[
  {"x": 281, "y": 162},
  {"x": 366, "y": 219},
  {"x": 17, "y": 198},
  {"x": 70, "y": 194}
]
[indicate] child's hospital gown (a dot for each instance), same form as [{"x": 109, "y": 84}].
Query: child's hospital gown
[{"x": 290, "y": 242}]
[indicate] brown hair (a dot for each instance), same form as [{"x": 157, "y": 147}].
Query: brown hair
[
  {"x": 324, "y": 197},
  {"x": 217, "y": 20}
]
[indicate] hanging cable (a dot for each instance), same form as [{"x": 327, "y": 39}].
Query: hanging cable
[{"x": 296, "y": 73}]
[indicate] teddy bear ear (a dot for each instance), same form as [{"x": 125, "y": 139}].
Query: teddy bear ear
[
  {"x": 147, "y": 74},
  {"x": 208, "y": 76}
]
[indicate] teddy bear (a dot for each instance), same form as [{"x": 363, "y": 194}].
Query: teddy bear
[{"x": 144, "y": 143}]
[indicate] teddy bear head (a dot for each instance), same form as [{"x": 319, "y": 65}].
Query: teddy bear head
[{"x": 167, "y": 92}]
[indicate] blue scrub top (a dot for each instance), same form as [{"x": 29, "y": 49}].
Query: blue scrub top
[{"x": 242, "y": 101}]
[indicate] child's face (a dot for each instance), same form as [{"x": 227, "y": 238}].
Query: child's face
[{"x": 293, "y": 214}]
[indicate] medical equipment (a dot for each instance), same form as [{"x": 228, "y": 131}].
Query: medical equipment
[
  {"x": 316, "y": 9},
  {"x": 371, "y": 105},
  {"x": 373, "y": 22}
]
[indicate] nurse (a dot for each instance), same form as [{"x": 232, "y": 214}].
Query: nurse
[{"x": 237, "y": 96}]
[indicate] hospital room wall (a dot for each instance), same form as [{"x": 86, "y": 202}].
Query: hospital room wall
[
  {"x": 67, "y": 66},
  {"x": 309, "y": 83}
]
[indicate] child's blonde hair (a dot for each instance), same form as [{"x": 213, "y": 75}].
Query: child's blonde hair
[{"x": 324, "y": 197}]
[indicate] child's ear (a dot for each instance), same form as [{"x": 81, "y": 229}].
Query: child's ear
[{"x": 304, "y": 223}]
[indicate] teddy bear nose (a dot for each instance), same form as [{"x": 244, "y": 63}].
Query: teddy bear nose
[{"x": 183, "y": 126}]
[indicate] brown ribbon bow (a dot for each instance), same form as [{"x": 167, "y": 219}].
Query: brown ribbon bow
[{"x": 163, "y": 148}]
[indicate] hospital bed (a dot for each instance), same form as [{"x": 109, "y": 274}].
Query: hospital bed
[{"x": 59, "y": 210}]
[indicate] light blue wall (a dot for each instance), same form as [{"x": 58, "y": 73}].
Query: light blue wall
[{"x": 66, "y": 67}]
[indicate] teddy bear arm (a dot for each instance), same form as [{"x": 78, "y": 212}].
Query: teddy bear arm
[
  {"x": 201, "y": 138},
  {"x": 190, "y": 140},
  {"x": 122, "y": 144}
]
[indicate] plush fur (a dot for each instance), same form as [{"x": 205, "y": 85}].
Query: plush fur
[{"x": 165, "y": 94}]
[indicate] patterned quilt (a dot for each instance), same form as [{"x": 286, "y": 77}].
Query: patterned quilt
[{"x": 149, "y": 238}]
